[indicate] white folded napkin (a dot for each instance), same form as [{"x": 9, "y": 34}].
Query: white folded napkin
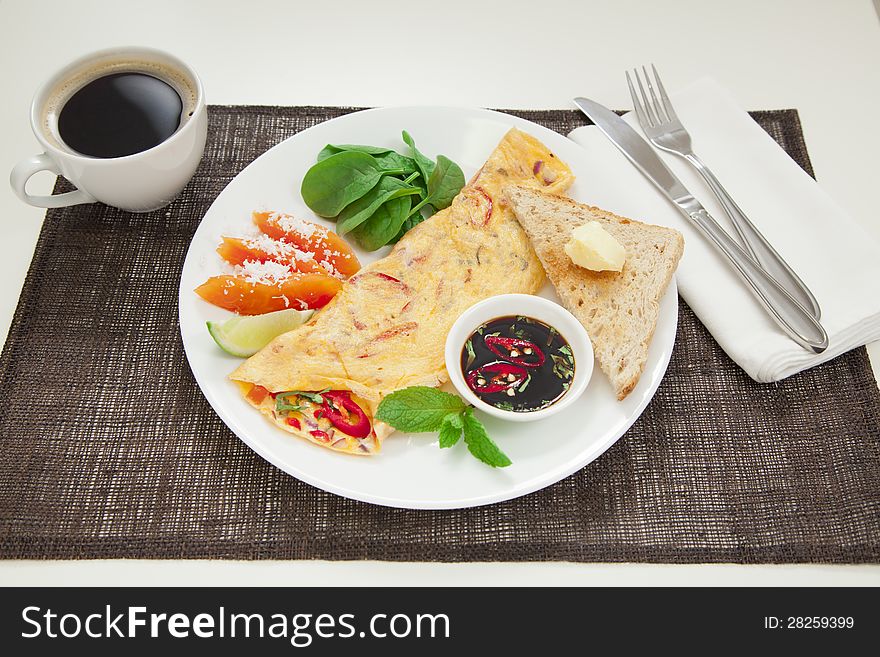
[{"x": 831, "y": 253}]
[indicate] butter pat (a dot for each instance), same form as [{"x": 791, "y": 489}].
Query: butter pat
[{"x": 591, "y": 247}]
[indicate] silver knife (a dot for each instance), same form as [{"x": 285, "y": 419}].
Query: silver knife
[{"x": 785, "y": 310}]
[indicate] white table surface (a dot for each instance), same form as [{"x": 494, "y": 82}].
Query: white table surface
[{"x": 817, "y": 56}]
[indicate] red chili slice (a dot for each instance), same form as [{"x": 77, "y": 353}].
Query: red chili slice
[
  {"x": 478, "y": 197},
  {"x": 488, "y": 214},
  {"x": 504, "y": 348},
  {"x": 320, "y": 435},
  {"x": 385, "y": 277},
  {"x": 496, "y": 376},
  {"x": 292, "y": 421},
  {"x": 345, "y": 414}
]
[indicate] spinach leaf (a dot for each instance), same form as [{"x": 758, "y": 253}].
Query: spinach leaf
[
  {"x": 393, "y": 160},
  {"x": 336, "y": 181},
  {"x": 386, "y": 158},
  {"x": 385, "y": 223},
  {"x": 359, "y": 211},
  {"x": 363, "y": 189},
  {"x": 413, "y": 220},
  {"x": 425, "y": 164},
  {"x": 333, "y": 149},
  {"x": 445, "y": 182},
  {"x": 327, "y": 151}
]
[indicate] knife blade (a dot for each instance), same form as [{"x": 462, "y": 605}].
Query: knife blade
[{"x": 797, "y": 322}]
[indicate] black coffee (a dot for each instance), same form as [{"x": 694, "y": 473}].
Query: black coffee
[{"x": 120, "y": 114}]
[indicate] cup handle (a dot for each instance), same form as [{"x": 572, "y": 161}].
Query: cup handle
[{"x": 28, "y": 167}]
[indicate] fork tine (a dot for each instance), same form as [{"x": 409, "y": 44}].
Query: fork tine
[
  {"x": 661, "y": 116},
  {"x": 637, "y": 104},
  {"x": 667, "y": 105},
  {"x": 649, "y": 112}
]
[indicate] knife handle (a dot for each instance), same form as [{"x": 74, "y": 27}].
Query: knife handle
[
  {"x": 785, "y": 310},
  {"x": 756, "y": 244}
]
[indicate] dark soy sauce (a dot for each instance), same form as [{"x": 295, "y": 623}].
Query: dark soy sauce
[
  {"x": 120, "y": 114},
  {"x": 518, "y": 364}
]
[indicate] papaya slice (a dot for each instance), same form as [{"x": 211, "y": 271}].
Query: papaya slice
[
  {"x": 300, "y": 291},
  {"x": 237, "y": 251},
  {"x": 309, "y": 236}
]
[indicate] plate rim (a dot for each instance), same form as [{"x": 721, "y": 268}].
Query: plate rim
[{"x": 535, "y": 483}]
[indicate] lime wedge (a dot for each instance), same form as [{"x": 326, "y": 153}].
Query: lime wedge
[{"x": 245, "y": 336}]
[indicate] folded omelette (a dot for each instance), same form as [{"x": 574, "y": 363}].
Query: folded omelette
[{"x": 386, "y": 328}]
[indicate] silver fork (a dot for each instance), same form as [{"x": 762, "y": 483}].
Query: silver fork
[{"x": 662, "y": 127}]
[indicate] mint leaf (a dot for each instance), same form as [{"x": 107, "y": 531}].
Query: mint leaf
[
  {"x": 418, "y": 408},
  {"x": 455, "y": 420},
  {"x": 479, "y": 443},
  {"x": 450, "y": 430}
]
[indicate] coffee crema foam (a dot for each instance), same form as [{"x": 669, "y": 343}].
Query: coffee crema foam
[{"x": 76, "y": 79}]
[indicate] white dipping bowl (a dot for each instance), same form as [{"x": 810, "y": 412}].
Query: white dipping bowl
[{"x": 527, "y": 305}]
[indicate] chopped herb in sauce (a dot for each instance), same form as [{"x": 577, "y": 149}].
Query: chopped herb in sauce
[{"x": 517, "y": 363}]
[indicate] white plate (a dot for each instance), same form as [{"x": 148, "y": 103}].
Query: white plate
[{"x": 411, "y": 471}]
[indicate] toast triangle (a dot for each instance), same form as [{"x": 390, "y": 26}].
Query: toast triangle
[{"x": 618, "y": 309}]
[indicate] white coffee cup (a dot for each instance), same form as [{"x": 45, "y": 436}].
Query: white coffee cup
[{"x": 141, "y": 182}]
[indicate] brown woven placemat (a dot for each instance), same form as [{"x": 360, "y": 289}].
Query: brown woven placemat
[{"x": 108, "y": 449}]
